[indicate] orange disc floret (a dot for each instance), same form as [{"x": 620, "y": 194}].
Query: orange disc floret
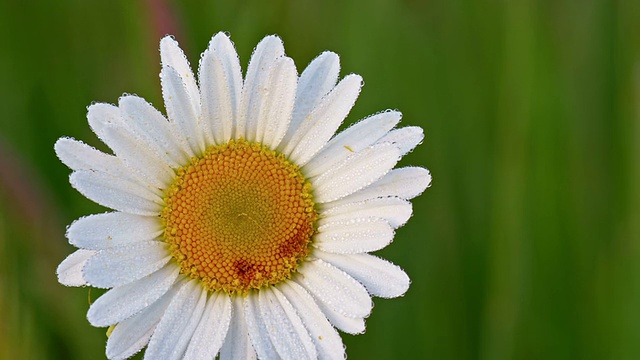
[{"x": 240, "y": 217}]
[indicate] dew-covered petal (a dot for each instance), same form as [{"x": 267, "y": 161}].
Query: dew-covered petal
[
  {"x": 116, "y": 193},
  {"x": 353, "y": 236},
  {"x": 237, "y": 344},
  {"x": 127, "y": 300},
  {"x": 316, "y": 81},
  {"x": 394, "y": 210},
  {"x": 107, "y": 230},
  {"x": 257, "y": 327},
  {"x": 209, "y": 335},
  {"x": 70, "y": 269},
  {"x": 354, "y": 139},
  {"x": 80, "y": 156},
  {"x": 151, "y": 127},
  {"x": 132, "y": 334},
  {"x": 123, "y": 264},
  {"x": 335, "y": 289},
  {"x": 172, "y": 56},
  {"x": 323, "y": 121},
  {"x": 346, "y": 324},
  {"x": 101, "y": 115},
  {"x": 173, "y": 333},
  {"x": 279, "y": 94},
  {"x": 220, "y": 86},
  {"x": 405, "y": 183},
  {"x": 106, "y": 121},
  {"x": 140, "y": 158},
  {"x": 406, "y": 138},
  {"x": 288, "y": 334},
  {"x": 356, "y": 172},
  {"x": 180, "y": 109},
  {"x": 381, "y": 278},
  {"x": 253, "y": 91},
  {"x": 326, "y": 339}
]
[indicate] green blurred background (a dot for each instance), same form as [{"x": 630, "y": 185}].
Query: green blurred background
[{"x": 527, "y": 246}]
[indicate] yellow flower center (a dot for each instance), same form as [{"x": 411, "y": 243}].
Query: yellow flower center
[{"x": 238, "y": 218}]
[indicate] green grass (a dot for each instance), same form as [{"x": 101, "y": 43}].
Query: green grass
[{"x": 527, "y": 246}]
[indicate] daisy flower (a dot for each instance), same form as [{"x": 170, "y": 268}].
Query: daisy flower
[{"x": 241, "y": 226}]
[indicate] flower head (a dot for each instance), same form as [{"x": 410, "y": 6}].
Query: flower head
[{"x": 241, "y": 225}]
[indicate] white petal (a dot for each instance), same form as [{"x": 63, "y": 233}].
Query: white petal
[
  {"x": 124, "y": 301},
  {"x": 180, "y": 109},
  {"x": 326, "y": 339},
  {"x": 171, "y": 55},
  {"x": 70, "y": 269},
  {"x": 353, "y": 236},
  {"x": 315, "y": 82},
  {"x": 121, "y": 265},
  {"x": 356, "y": 172},
  {"x": 80, "y": 156},
  {"x": 320, "y": 125},
  {"x": 70, "y": 151},
  {"x": 173, "y": 333},
  {"x": 116, "y": 193},
  {"x": 406, "y": 138},
  {"x": 262, "y": 59},
  {"x": 151, "y": 127},
  {"x": 405, "y": 183},
  {"x": 221, "y": 86},
  {"x": 395, "y": 210},
  {"x": 335, "y": 289},
  {"x": 288, "y": 334},
  {"x": 354, "y": 139},
  {"x": 380, "y": 277},
  {"x": 210, "y": 333},
  {"x": 131, "y": 335},
  {"x": 107, "y": 230},
  {"x": 107, "y": 123},
  {"x": 101, "y": 115},
  {"x": 237, "y": 344},
  {"x": 258, "y": 331},
  {"x": 138, "y": 156},
  {"x": 277, "y": 102},
  {"x": 346, "y": 324}
]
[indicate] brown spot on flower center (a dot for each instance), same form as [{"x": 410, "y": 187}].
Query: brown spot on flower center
[{"x": 238, "y": 218}]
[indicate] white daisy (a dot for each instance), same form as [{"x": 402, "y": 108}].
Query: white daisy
[{"x": 241, "y": 226}]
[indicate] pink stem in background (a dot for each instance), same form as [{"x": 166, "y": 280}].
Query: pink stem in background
[
  {"x": 20, "y": 186},
  {"x": 29, "y": 206},
  {"x": 162, "y": 18},
  {"x": 164, "y": 21}
]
